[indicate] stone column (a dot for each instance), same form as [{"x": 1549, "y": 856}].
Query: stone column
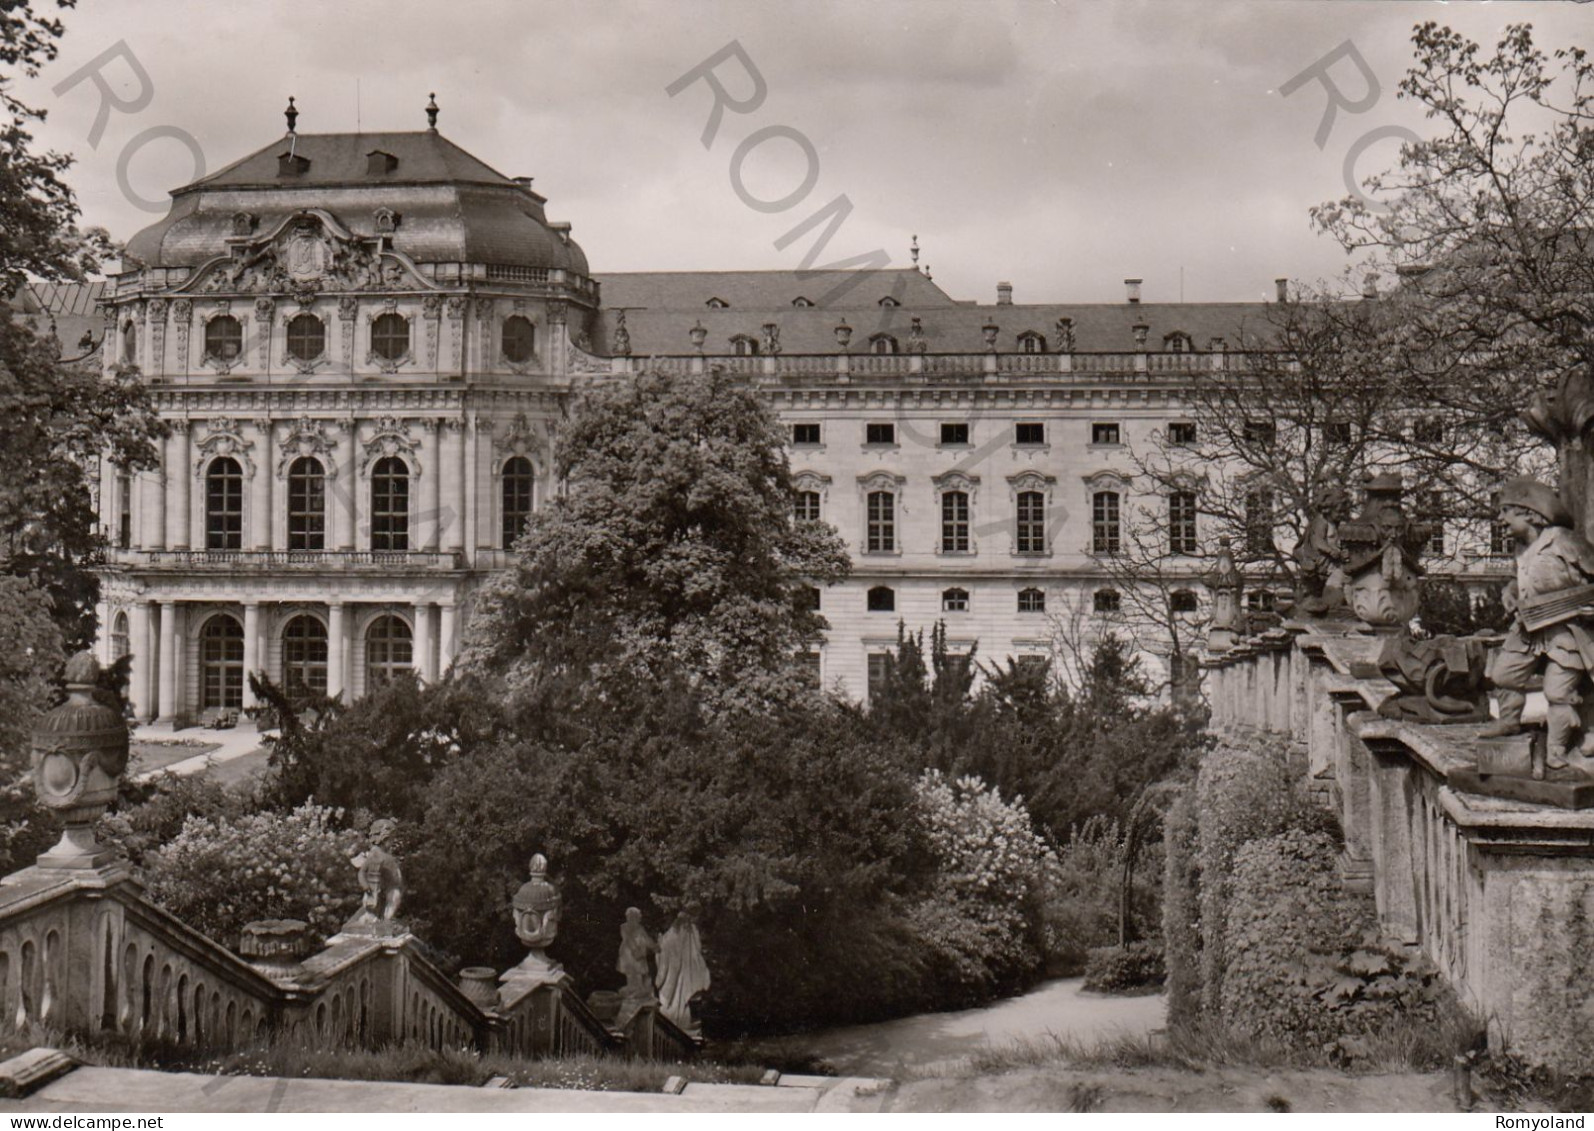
[
  {"x": 142, "y": 645},
  {"x": 110, "y": 502},
  {"x": 180, "y": 478},
  {"x": 260, "y": 491},
  {"x": 345, "y": 514},
  {"x": 168, "y": 662},
  {"x": 447, "y": 645},
  {"x": 422, "y": 658},
  {"x": 472, "y": 479},
  {"x": 335, "y": 649},
  {"x": 431, "y": 473},
  {"x": 251, "y": 647},
  {"x": 102, "y": 633},
  {"x": 152, "y": 522},
  {"x": 454, "y": 457},
  {"x": 482, "y": 488}
]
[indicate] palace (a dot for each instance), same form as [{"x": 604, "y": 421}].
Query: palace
[{"x": 363, "y": 344}]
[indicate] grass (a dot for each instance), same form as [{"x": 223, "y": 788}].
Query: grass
[
  {"x": 157, "y": 754},
  {"x": 410, "y": 1062}
]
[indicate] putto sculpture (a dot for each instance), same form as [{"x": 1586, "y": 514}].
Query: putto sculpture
[
  {"x": 636, "y": 947},
  {"x": 381, "y": 885},
  {"x": 1321, "y": 555},
  {"x": 1552, "y": 596}
]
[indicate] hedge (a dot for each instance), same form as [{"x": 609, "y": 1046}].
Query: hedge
[{"x": 1181, "y": 909}]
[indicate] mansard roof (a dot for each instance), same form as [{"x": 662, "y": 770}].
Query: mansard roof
[
  {"x": 69, "y": 307},
  {"x": 769, "y": 290},
  {"x": 450, "y": 207}
]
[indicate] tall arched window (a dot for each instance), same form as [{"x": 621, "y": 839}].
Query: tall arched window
[
  {"x": 224, "y": 505},
  {"x": 954, "y": 522},
  {"x": 390, "y": 504},
  {"x": 388, "y": 650},
  {"x": 881, "y": 536},
  {"x": 120, "y": 641},
  {"x": 221, "y": 663},
  {"x": 304, "y": 656},
  {"x": 1104, "y": 523},
  {"x": 307, "y": 505},
  {"x": 130, "y": 343},
  {"x": 1031, "y": 522},
  {"x": 519, "y": 480},
  {"x": 224, "y": 338},
  {"x": 1182, "y": 522}
]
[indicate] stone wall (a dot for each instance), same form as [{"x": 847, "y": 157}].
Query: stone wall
[{"x": 1499, "y": 894}]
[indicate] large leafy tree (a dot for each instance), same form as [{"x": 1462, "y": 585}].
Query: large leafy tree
[
  {"x": 58, "y": 419},
  {"x": 671, "y": 554}
]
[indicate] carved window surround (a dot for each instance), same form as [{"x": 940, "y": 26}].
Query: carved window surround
[
  {"x": 390, "y": 437},
  {"x": 389, "y": 364},
  {"x": 1045, "y": 485},
  {"x": 892, "y": 484},
  {"x": 308, "y": 437},
  {"x": 224, "y": 437},
  {"x": 970, "y": 486}
]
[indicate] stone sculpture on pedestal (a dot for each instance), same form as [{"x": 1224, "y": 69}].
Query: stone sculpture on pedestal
[
  {"x": 1228, "y": 622},
  {"x": 1553, "y": 630},
  {"x": 636, "y": 947},
  {"x": 1382, "y": 558},
  {"x": 536, "y": 907},
  {"x": 683, "y": 974},
  {"x": 1320, "y": 585},
  {"x": 381, "y": 886},
  {"x": 79, "y": 753}
]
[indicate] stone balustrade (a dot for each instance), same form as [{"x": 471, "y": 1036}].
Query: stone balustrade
[{"x": 1497, "y": 893}]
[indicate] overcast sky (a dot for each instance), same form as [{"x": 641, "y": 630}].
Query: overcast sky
[{"x": 1062, "y": 146}]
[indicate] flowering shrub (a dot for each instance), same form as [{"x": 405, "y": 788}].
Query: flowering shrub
[
  {"x": 1121, "y": 969},
  {"x": 219, "y": 874},
  {"x": 993, "y": 872}
]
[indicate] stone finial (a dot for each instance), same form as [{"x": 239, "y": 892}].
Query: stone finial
[
  {"x": 620, "y": 340},
  {"x": 1141, "y": 330},
  {"x": 431, "y": 111},
  {"x": 843, "y": 334},
  {"x": 291, "y": 114},
  {"x": 990, "y": 330},
  {"x": 536, "y": 908},
  {"x": 1225, "y": 582},
  {"x": 699, "y": 335},
  {"x": 79, "y": 753}
]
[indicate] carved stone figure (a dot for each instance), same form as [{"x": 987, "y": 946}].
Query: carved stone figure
[
  {"x": 916, "y": 343},
  {"x": 1552, "y": 596},
  {"x": 1437, "y": 681},
  {"x": 683, "y": 974},
  {"x": 620, "y": 340},
  {"x": 1228, "y": 622},
  {"x": 1321, "y": 556},
  {"x": 381, "y": 886},
  {"x": 1382, "y": 557},
  {"x": 1065, "y": 335},
  {"x": 636, "y": 948}
]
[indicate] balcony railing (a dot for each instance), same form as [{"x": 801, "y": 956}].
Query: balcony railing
[
  {"x": 375, "y": 560},
  {"x": 1128, "y": 365}
]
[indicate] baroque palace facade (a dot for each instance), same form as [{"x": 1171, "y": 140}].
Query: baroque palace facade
[{"x": 363, "y": 344}]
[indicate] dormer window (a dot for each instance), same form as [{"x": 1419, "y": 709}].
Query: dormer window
[
  {"x": 1031, "y": 342},
  {"x": 292, "y": 165},
  {"x": 717, "y": 304},
  {"x": 743, "y": 346},
  {"x": 882, "y": 343},
  {"x": 889, "y": 301},
  {"x": 800, "y": 302},
  {"x": 378, "y": 162},
  {"x": 1178, "y": 342}
]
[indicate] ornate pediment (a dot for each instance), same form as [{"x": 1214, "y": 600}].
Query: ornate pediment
[
  {"x": 306, "y": 438},
  {"x": 391, "y": 438},
  {"x": 224, "y": 437},
  {"x": 957, "y": 481},
  {"x": 880, "y": 481},
  {"x": 523, "y": 437},
  {"x": 811, "y": 481},
  {"x": 308, "y": 253},
  {"x": 1107, "y": 480}
]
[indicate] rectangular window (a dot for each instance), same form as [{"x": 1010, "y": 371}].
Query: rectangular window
[
  {"x": 1032, "y": 600},
  {"x": 1031, "y": 535},
  {"x": 880, "y": 433},
  {"x": 124, "y": 510},
  {"x": 806, "y": 506},
  {"x": 1499, "y": 540},
  {"x": 1428, "y": 431},
  {"x": 1337, "y": 433},
  {"x": 1433, "y": 514},
  {"x": 1261, "y": 433},
  {"x": 1029, "y": 433},
  {"x": 808, "y": 663},
  {"x": 805, "y": 434},
  {"x": 954, "y": 522},
  {"x": 954, "y": 433},
  {"x": 1259, "y": 522},
  {"x": 882, "y": 532},
  {"x": 1182, "y": 433},
  {"x": 955, "y": 601},
  {"x": 1105, "y": 433},
  {"x": 306, "y": 509},
  {"x": 1182, "y": 522},
  {"x": 879, "y": 672},
  {"x": 1104, "y": 528}
]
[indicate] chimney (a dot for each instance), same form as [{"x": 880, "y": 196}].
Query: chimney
[
  {"x": 1282, "y": 288},
  {"x": 1004, "y": 294},
  {"x": 1133, "y": 287},
  {"x": 523, "y": 182}
]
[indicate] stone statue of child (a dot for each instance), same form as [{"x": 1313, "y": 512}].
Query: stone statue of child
[
  {"x": 636, "y": 945},
  {"x": 381, "y": 880},
  {"x": 1321, "y": 555},
  {"x": 1553, "y": 599}
]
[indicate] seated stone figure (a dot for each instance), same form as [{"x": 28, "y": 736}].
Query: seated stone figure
[
  {"x": 1553, "y": 599},
  {"x": 1321, "y": 556}
]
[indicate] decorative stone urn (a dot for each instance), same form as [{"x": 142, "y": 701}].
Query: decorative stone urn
[
  {"x": 537, "y": 906},
  {"x": 79, "y": 753},
  {"x": 275, "y": 947},
  {"x": 1228, "y": 621},
  {"x": 1383, "y": 562},
  {"x": 480, "y": 984}
]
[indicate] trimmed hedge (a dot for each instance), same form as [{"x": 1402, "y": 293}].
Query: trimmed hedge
[{"x": 1123, "y": 969}]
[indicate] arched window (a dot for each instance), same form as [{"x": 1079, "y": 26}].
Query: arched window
[
  {"x": 304, "y": 656},
  {"x": 307, "y": 504},
  {"x": 519, "y": 479},
  {"x": 1104, "y": 524},
  {"x": 1183, "y": 601},
  {"x": 224, "y": 338},
  {"x": 954, "y": 600},
  {"x": 882, "y": 599},
  {"x": 221, "y": 663},
  {"x": 390, "y": 336},
  {"x": 1031, "y": 342},
  {"x": 954, "y": 522},
  {"x": 1107, "y": 601},
  {"x": 881, "y": 535},
  {"x": 388, "y": 650},
  {"x": 882, "y": 343},
  {"x": 1031, "y": 522},
  {"x": 224, "y": 505},
  {"x": 801, "y": 302},
  {"x": 1032, "y": 600},
  {"x": 717, "y": 304},
  {"x": 120, "y": 641},
  {"x": 805, "y": 506},
  {"x": 390, "y": 504},
  {"x": 130, "y": 343},
  {"x": 307, "y": 337},
  {"x": 520, "y": 338},
  {"x": 743, "y": 346},
  {"x": 1182, "y": 522},
  {"x": 889, "y": 301}
]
